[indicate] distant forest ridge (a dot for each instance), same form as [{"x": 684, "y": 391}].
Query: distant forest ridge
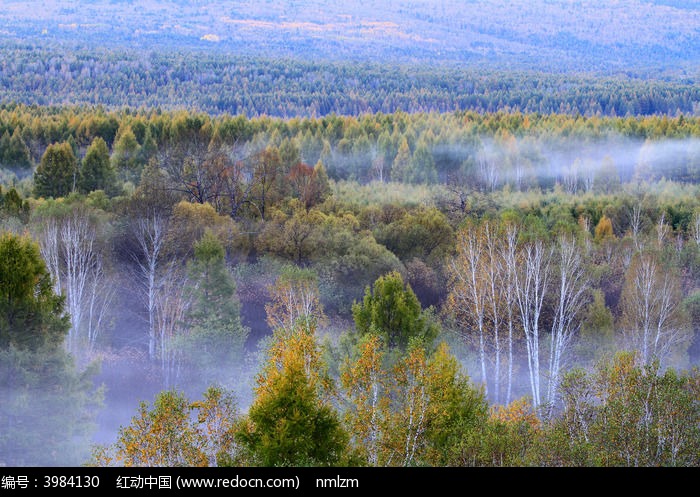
[
  {"x": 312, "y": 58},
  {"x": 221, "y": 83},
  {"x": 651, "y": 37}
]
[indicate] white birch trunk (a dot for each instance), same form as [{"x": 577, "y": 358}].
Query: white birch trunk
[
  {"x": 695, "y": 228},
  {"x": 493, "y": 269},
  {"x": 51, "y": 253},
  {"x": 150, "y": 235},
  {"x": 472, "y": 293},
  {"x": 572, "y": 286},
  {"x": 79, "y": 257},
  {"x": 509, "y": 248},
  {"x": 531, "y": 288},
  {"x": 651, "y": 307},
  {"x": 69, "y": 248},
  {"x": 172, "y": 305}
]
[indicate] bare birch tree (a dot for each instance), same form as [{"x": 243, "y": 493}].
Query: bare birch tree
[
  {"x": 662, "y": 230},
  {"x": 294, "y": 300},
  {"x": 77, "y": 240},
  {"x": 100, "y": 298},
  {"x": 572, "y": 285},
  {"x": 165, "y": 293},
  {"x": 70, "y": 248},
  {"x": 482, "y": 299},
  {"x": 172, "y": 303},
  {"x": 150, "y": 233},
  {"x": 466, "y": 300},
  {"x": 50, "y": 251},
  {"x": 492, "y": 271},
  {"x": 532, "y": 285},
  {"x": 636, "y": 225},
  {"x": 695, "y": 227},
  {"x": 508, "y": 255},
  {"x": 488, "y": 170},
  {"x": 651, "y": 313}
]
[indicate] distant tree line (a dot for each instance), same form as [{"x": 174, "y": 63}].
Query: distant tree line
[
  {"x": 217, "y": 83},
  {"x": 480, "y": 151}
]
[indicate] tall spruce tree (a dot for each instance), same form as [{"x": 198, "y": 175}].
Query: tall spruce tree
[
  {"x": 96, "y": 172},
  {"x": 292, "y": 421},
  {"x": 215, "y": 342},
  {"x": 57, "y": 174}
]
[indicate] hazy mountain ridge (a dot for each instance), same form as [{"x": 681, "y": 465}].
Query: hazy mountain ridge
[{"x": 595, "y": 36}]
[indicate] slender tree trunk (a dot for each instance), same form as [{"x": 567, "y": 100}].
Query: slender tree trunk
[
  {"x": 78, "y": 243},
  {"x": 651, "y": 298},
  {"x": 51, "y": 253},
  {"x": 695, "y": 228},
  {"x": 531, "y": 290},
  {"x": 172, "y": 305},
  {"x": 468, "y": 271},
  {"x": 150, "y": 235},
  {"x": 509, "y": 281},
  {"x": 493, "y": 272},
  {"x": 99, "y": 301},
  {"x": 572, "y": 290},
  {"x": 69, "y": 248}
]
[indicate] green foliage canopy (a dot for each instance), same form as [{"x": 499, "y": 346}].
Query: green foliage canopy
[{"x": 391, "y": 309}]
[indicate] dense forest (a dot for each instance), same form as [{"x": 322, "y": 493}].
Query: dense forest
[
  {"x": 255, "y": 86},
  {"x": 311, "y": 58},
  {"x": 458, "y": 288}
]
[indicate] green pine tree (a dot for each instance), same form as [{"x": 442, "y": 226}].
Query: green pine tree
[
  {"x": 216, "y": 339},
  {"x": 392, "y": 310},
  {"x": 17, "y": 155},
  {"x": 48, "y": 407},
  {"x": 96, "y": 172},
  {"x": 57, "y": 173},
  {"x": 291, "y": 421}
]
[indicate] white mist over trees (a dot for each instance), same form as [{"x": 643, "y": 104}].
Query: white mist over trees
[
  {"x": 513, "y": 284},
  {"x": 453, "y": 315},
  {"x": 47, "y": 403}
]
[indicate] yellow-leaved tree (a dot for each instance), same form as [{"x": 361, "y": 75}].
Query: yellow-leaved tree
[
  {"x": 167, "y": 435},
  {"x": 292, "y": 421}
]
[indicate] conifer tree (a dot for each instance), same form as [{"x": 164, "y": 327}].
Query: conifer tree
[
  {"x": 57, "y": 174},
  {"x": 291, "y": 421},
  {"x": 96, "y": 172},
  {"x": 216, "y": 337},
  {"x": 392, "y": 310},
  {"x": 47, "y": 406}
]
